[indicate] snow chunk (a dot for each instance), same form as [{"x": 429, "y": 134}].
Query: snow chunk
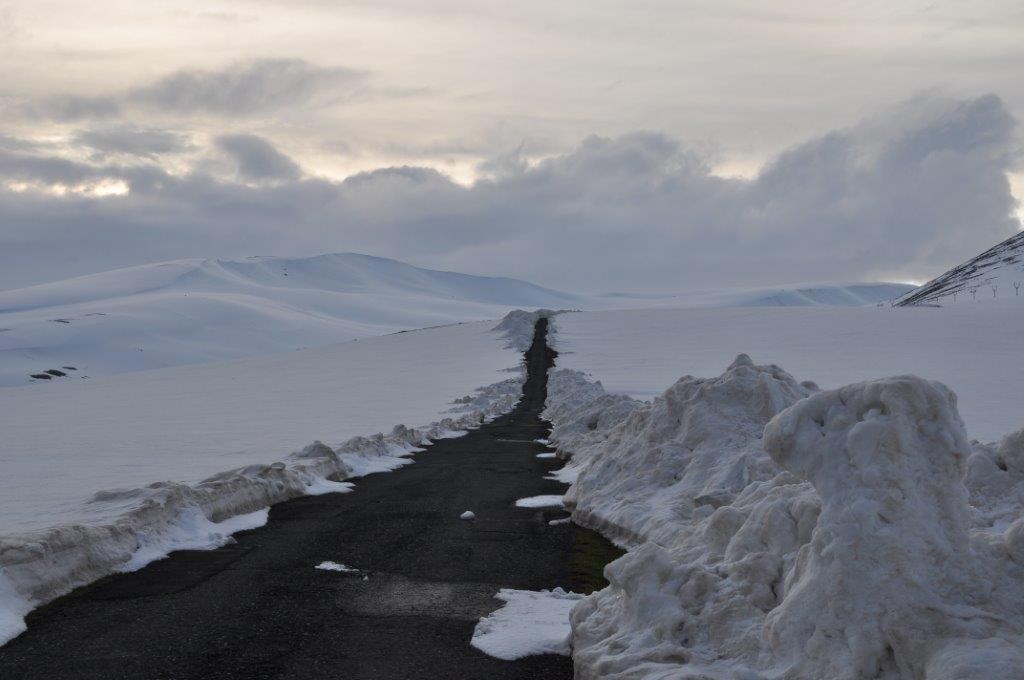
[
  {"x": 530, "y": 622},
  {"x": 468, "y": 514},
  {"x": 544, "y": 501}
]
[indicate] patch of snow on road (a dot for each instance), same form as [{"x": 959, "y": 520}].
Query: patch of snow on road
[
  {"x": 336, "y": 566},
  {"x": 530, "y": 622},
  {"x": 468, "y": 514},
  {"x": 544, "y": 501},
  {"x": 547, "y": 455}
]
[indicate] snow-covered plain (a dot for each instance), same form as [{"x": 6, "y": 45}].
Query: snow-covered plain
[
  {"x": 975, "y": 349},
  {"x": 780, "y": 531},
  {"x": 97, "y": 472}
]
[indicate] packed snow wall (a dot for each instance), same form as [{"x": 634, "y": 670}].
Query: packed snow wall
[
  {"x": 123, "y": 529},
  {"x": 779, "y": 531}
]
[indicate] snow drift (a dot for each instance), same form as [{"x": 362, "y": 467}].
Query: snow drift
[
  {"x": 850, "y": 549},
  {"x": 125, "y": 528}
]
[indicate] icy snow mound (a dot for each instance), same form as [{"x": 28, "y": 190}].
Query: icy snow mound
[
  {"x": 136, "y": 526},
  {"x": 696, "y": 446},
  {"x": 891, "y": 584},
  {"x": 851, "y": 552},
  {"x": 517, "y": 327}
]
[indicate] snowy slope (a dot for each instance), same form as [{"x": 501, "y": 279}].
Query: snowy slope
[
  {"x": 997, "y": 272},
  {"x": 191, "y": 311},
  {"x": 974, "y": 349},
  {"x": 102, "y": 474}
]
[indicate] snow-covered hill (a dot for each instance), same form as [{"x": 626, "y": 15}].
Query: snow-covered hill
[
  {"x": 192, "y": 311},
  {"x": 195, "y": 311},
  {"x": 997, "y": 272},
  {"x": 802, "y": 295}
]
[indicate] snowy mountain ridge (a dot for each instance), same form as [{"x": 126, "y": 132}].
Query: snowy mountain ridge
[{"x": 1000, "y": 269}]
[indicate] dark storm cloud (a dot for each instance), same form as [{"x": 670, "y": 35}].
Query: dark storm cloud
[
  {"x": 905, "y": 194},
  {"x": 257, "y": 160}
]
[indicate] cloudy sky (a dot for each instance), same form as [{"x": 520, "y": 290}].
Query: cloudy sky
[{"x": 587, "y": 145}]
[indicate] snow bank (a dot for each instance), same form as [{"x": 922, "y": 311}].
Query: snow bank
[
  {"x": 854, "y": 551},
  {"x": 530, "y": 622},
  {"x": 165, "y": 516},
  {"x": 125, "y": 528}
]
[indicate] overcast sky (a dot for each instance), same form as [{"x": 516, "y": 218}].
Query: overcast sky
[{"x": 590, "y": 146}]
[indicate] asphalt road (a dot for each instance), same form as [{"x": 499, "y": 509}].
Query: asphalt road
[{"x": 259, "y": 609}]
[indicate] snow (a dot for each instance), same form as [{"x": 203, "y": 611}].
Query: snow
[
  {"x": 192, "y": 530},
  {"x": 566, "y": 474},
  {"x": 468, "y": 514},
  {"x": 974, "y": 349},
  {"x": 547, "y": 455},
  {"x": 192, "y": 311},
  {"x": 544, "y": 501},
  {"x": 200, "y": 310},
  {"x": 777, "y": 530},
  {"x": 997, "y": 272},
  {"x": 530, "y": 622},
  {"x": 890, "y": 579},
  {"x": 337, "y": 566},
  {"x": 109, "y": 473},
  {"x": 799, "y": 295}
]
